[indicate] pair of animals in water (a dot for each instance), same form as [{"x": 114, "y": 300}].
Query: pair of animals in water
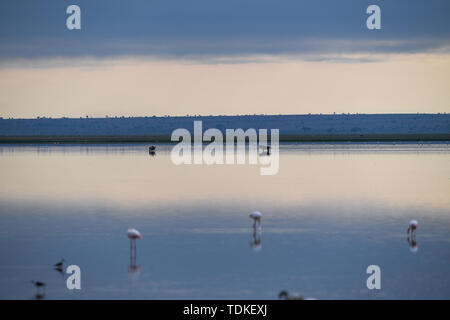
[{"x": 40, "y": 286}]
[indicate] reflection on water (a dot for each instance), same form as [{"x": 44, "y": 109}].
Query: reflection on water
[
  {"x": 256, "y": 244},
  {"x": 413, "y": 224},
  {"x": 413, "y": 246},
  {"x": 332, "y": 210}
]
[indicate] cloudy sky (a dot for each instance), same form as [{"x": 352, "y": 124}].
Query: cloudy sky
[{"x": 178, "y": 57}]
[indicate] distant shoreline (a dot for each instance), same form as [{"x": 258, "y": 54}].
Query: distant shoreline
[
  {"x": 292, "y": 128},
  {"x": 283, "y": 138}
]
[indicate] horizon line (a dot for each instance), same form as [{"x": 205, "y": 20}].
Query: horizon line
[{"x": 229, "y": 115}]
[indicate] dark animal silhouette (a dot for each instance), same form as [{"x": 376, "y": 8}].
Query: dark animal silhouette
[{"x": 59, "y": 264}]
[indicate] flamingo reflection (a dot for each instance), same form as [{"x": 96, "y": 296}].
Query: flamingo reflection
[{"x": 256, "y": 244}]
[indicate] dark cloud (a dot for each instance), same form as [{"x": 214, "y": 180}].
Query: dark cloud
[{"x": 208, "y": 28}]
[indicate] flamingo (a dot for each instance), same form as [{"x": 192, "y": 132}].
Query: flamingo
[
  {"x": 413, "y": 224},
  {"x": 133, "y": 234},
  {"x": 256, "y": 216}
]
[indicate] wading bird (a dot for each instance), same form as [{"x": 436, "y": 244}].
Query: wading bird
[
  {"x": 133, "y": 234},
  {"x": 256, "y": 216}
]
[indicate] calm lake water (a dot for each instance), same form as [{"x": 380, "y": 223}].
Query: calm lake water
[{"x": 330, "y": 212}]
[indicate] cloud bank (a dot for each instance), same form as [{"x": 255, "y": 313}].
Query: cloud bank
[{"x": 207, "y": 30}]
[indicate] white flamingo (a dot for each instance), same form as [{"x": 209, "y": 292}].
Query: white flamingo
[
  {"x": 256, "y": 216},
  {"x": 133, "y": 234},
  {"x": 413, "y": 224}
]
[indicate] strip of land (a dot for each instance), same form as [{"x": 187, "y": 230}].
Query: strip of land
[
  {"x": 292, "y": 128},
  {"x": 283, "y": 138}
]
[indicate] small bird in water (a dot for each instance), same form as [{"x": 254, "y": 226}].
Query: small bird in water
[
  {"x": 59, "y": 267},
  {"x": 292, "y": 296},
  {"x": 289, "y": 296},
  {"x": 59, "y": 264},
  {"x": 38, "y": 284}
]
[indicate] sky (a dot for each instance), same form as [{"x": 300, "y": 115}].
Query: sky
[{"x": 174, "y": 57}]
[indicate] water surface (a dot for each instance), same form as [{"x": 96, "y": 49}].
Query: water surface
[{"x": 331, "y": 211}]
